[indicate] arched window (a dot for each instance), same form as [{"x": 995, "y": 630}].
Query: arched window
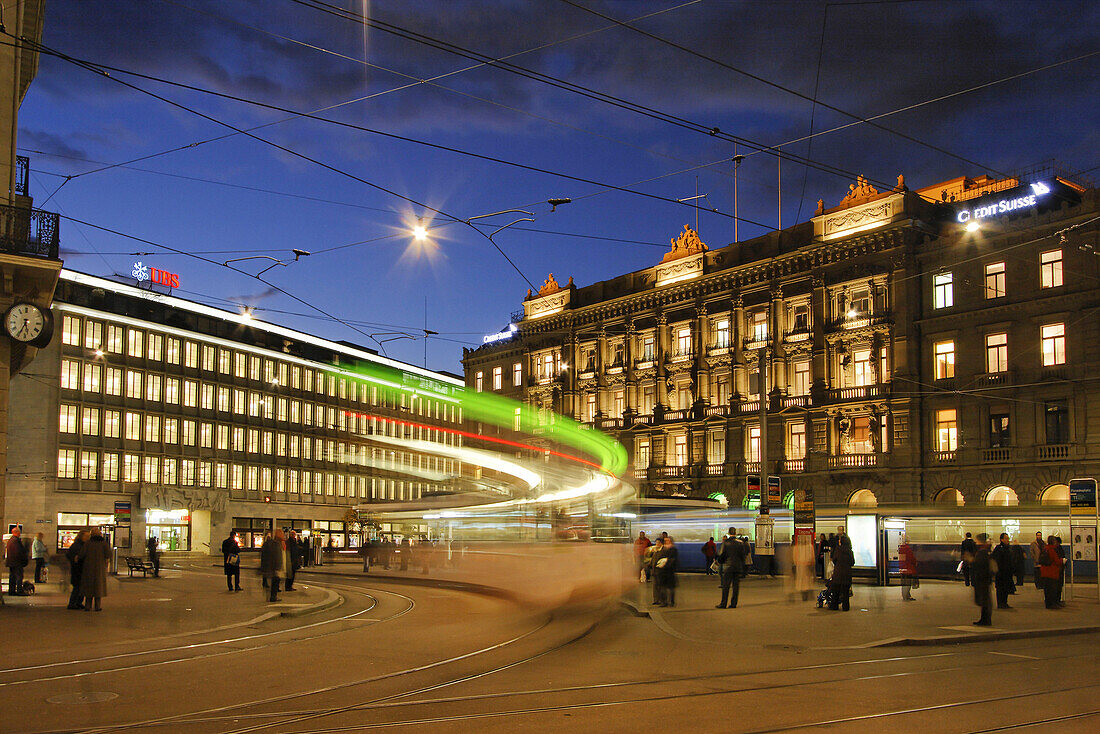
[
  {"x": 863, "y": 498},
  {"x": 1002, "y": 496},
  {"x": 1055, "y": 494},
  {"x": 950, "y": 496}
]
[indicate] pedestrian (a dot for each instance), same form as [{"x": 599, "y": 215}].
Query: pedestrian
[
  {"x": 406, "y": 553},
  {"x": 41, "y": 554},
  {"x": 650, "y": 561},
  {"x": 267, "y": 537},
  {"x": 668, "y": 562},
  {"x": 980, "y": 576},
  {"x": 819, "y": 555},
  {"x": 273, "y": 563},
  {"x": 1018, "y": 564},
  {"x": 641, "y": 543},
  {"x": 1062, "y": 572},
  {"x": 364, "y": 553},
  {"x": 294, "y": 552},
  {"x": 76, "y": 565},
  {"x": 96, "y": 557},
  {"x": 1003, "y": 575},
  {"x": 154, "y": 557},
  {"x": 840, "y": 584},
  {"x": 827, "y": 549},
  {"x": 731, "y": 558},
  {"x": 1038, "y": 551},
  {"x": 15, "y": 558},
  {"x": 231, "y": 561},
  {"x": 1051, "y": 566},
  {"x": 966, "y": 551},
  {"x": 710, "y": 550},
  {"x": 318, "y": 560},
  {"x": 909, "y": 578},
  {"x": 802, "y": 560}
]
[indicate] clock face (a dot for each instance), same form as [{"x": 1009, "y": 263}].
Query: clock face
[{"x": 25, "y": 322}]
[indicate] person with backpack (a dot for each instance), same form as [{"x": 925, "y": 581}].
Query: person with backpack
[
  {"x": 231, "y": 561},
  {"x": 731, "y": 558}
]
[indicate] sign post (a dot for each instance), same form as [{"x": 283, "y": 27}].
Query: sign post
[{"x": 1083, "y": 520}]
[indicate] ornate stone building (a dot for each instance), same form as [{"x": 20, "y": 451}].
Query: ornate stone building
[{"x": 930, "y": 345}]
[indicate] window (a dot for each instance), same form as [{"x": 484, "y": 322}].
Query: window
[
  {"x": 188, "y": 433},
  {"x": 66, "y": 464},
  {"x": 133, "y": 426},
  {"x": 190, "y": 355},
  {"x": 717, "y": 447},
  {"x": 111, "y": 423},
  {"x": 498, "y": 377},
  {"x": 170, "y": 471},
  {"x": 800, "y": 318},
  {"x": 800, "y": 384},
  {"x": 190, "y": 393},
  {"x": 758, "y": 326},
  {"x": 89, "y": 426},
  {"x": 225, "y": 359},
  {"x": 946, "y": 431},
  {"x": 752, "y": 450},
  {"x": 70, "y": 331},
  {"x": 152, "y": 428},
  {"x": 517, "y": 374},
  {"x": 862, "y": 368},
  {"x": 223, "y": 436},
  {"x": 223, "y": 399},
  {"x": 683, "y": 341},
  {"x": 89, "y": 464},
  {"x": 131, "y": 468},
  {"x": 240, "y": 364},
  {"x": 999, "y": 434},
  {"x": 945, "y": 360},
  {"x": 206, "y": 435},
  {"x": 996, "y": 353},
  {"x": 93, "y": 335},
  {"x": 590, "y": 407},
  {"x": 1050, "y": 269},
  {"x": 172, "y": 351},
  {"x": 253, "y": 441},
  {"x": 155, "y": 346},
  {"x": 861, "y": 442},
  {"x": 649, "y": 348},
  {"x": 994, "y": 281},
  {"x": 721, "y": 333},
  {"x": 208, "y": 358},
  {"x": 1054, "y": 344},
  {"x": 796, "y": 440},
  {"x": 680, "y": 451},
  {"x": 254, "y": 368},
  {"x": 1057, "y": 422},
  {"x": 479, "y": 381},
  {"x": 114, "y": 339},
  {"x": 70, "y": 374},
  {"x": 136, "y": 343},
  {"x": 152, "y": 387},
  {"x": 238, "y": 438},
  {"x": 943, "y": 292},
  {"x": 110, "y": 467},
  {"x": 641, "y": 455},
  {"x": 113, "y": 384},
  {"x": 619, "y": 399},
  {"x": 133, "y": 385},
  {"x": 91, "y": 377},
  {"x": 722, "y": 390},
  {"x": 187, "y": 472},
  {"x": 172, "y": 391},
  {"x": 238, "y": 402},
  {"x": 171, "y": 430},
  {"x": 151, "y": 470},
  {"x": 67, "y": 421}
]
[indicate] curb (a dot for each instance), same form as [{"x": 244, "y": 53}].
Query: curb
[
  {"x": 984, "y": 636},
  {"x": 331, "y": 600}
]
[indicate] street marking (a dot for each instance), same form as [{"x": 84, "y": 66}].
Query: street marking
[{"x": 1013, "y": 655}]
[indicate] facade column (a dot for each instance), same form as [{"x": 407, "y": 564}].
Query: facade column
[
  {"x": 630, "y": 392},
  {"x": 740, "y": 384},
  {"x": 662, "y": 337},
  {"x": 702, "y": 341},
  {"x": 777, "y": 327},
  {"x": 819, "y": 362},
  {"x": 602, "y": 396}
]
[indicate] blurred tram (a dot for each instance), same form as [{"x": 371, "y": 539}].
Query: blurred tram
[{"x": 934, "y": 533}]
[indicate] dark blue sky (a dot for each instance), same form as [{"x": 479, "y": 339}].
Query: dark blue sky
[{"x": 875, "y": 58}]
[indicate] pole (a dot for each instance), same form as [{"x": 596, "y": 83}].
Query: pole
[
  {"x": 779, "y": 163},
  {"x": 763, "y": 362},
  {"x": 425, "y": 332},
  {"x": 736, "y": 220}
]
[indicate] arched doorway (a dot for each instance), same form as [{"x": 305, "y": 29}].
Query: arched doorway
[
  {"x": 950, "y": 496},
  {"x": 1002, "y": 496},
  {"x": 863, "y": 498},
  {"x": 1055, "y": 494}
]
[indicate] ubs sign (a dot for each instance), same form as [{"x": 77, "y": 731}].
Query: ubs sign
[
  {"x": 1017, "y": 199},
  {"x": 142, "y": 273}
]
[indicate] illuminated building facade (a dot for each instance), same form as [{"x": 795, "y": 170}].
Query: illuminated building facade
[
  {"x": 931, "y": 345},
  {"x": 194, "y": 421}
]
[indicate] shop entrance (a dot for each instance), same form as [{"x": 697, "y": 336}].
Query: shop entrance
[{"x": 172, "y": 529}]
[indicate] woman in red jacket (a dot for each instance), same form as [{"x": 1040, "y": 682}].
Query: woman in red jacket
[{"x": 1051, "y": 573}]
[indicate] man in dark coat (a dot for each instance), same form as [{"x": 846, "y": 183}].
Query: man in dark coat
[
  {"x": 981, "y": 575},
  {"x": 966, "y": 550},
  {"x": 76, "y": 567},
  {"x": 1002, "y": 579},
  {"x": 154, "y": 556},
  {"x": 731, "y": 558},
  {"x": 231, "y": 561},
  {"x": 16, "y": 559},
  {"x": 840, "y": 584},
  {"x": 273, "y": 562},
  {"x": 295, "y": 551}
]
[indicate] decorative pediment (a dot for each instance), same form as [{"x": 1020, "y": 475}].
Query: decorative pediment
[
  {"x": 683, "y": 261},
  {"x": 551, "y": 298},
  {"x": 864, "y": 208},
  {"x": 685, "y": 245}
]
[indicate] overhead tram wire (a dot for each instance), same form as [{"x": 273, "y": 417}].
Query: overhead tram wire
[
  {"x": 775, "y": 85},
  {"x": 581, "y": 90}
]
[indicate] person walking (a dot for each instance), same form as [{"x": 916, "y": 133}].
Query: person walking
[
  {"x": 154, "y": 556},
  {"x": 650, "y": 561},
  {"x": 819, "y": 555},
  {"x": 732, "y": 560},
  {"x": 1002, "y": 577},
  {"x": 802, "y": 561},
  {"x": 15, "y": 558},
  {"x": 1018, "y": 564},
  {"x": 641, "y": 543},
  {"x": 231, "y": 561},
  {"x": 1038, "y": 550},
  {"x": 76, "y": 564},
  {"x": 909, "y": 578},
  {"x": 840, "y": 584},
  {"x": 710, "y": 550},
  {"x": 1062, "y": 572},
  {"x": 980, "y": 577},
  {"x": 96, "y": 557},
  {"x": 272, "y": 563},
  {"x": 294, "y": 552},
  {"x": 967, "y": 549},
  {"x": 1051, "y": 568},
  {"x": 41, "y": 554},
  {"x": 668, "y": 562}
]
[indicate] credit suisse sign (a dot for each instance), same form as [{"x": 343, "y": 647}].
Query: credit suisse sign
[{"x": 1017, "y": 199}]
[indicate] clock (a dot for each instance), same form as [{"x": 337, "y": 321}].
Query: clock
[{"x": 29, "y": 324}]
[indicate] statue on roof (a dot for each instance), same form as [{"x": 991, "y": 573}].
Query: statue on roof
[
  {"x": 686, "y": 244},
  {"x": 550, "y": 286},
  {"x": 859, "y": 190}
]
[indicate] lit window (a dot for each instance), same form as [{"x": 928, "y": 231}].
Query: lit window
[
  {"x": 796, "y": 440},
  {"x": 89, "y": 464},
  {"x": 683, "y": 341},
  {"x": 620, "y": 403},
  {"x": 133, "y": 426},
  {"x": 66, "y": 464},
  {"x": 70, "y": 331},
  {"x": 190, "y": 393},
  {"x": 223, "y": 436},
  {"x": 479, "y": 381},
  {"x": 995, "y": 280},
  {"x": 238, "y": 402},
  {"x": 151, "y": 471},
  {"x": 152, "y": 387},
  {"x": 945, "y": 360},
  {"x": 800, "y": 384},
  {"x": 171, "y": 430},
  {"x": 238, "y": 438},
  {"x": 133, "y": 385},
  {"x": 70, "y": 374},
  {"x": 225, "y": 360},
  {"x": 110, "y": 467},
  {"x": 188, "y": 433},
  {"x": 517, "y": 374},
  {"x": 131, "y": 468},
  {"x": 114, "y": 339},
  {"x": 170, "y": 471},
  {"x": 187, "y": 472},
  {"x": 208, "y": 358},
  {"x": 113, "y": 384},
  {"x": 89, "y": 426},
  {"x": 155, "y": 346},
  {"x": 206, "y": 435},
  {"x": 680, "y": 451},
  {"x": 590, "y": 407},
  {"x": 172, "y": 391},
  {"x": 498, "y": 377},
  {"x": 946, "y": 430},
  {"x": 758, "y": 326},
  {"x": 111, "y": 423},
  {"x": 943, "y": 292},
  {"x": 641, "y": 455},
  {"x": 717, "y": 447},
  {"x": 862, "y": 372},
  {"x": 1050, "y": 269},
  {"x": 91, "y": 377},
  {"x": 190, "y": 355},
  {"x": 753, "y": 449},
  {"x": 172, "y": 351},
  {"x": 996, "y": 353},
  {"x": 1054, "y": 344},
  {"x": 152, "y": 428},
  {"x": 649, "y": 348},
  {"x": 93, "y": 335},
  {"x": 67, "y": 422},
  {"x": 136, "y": 343},
  {"x": 254, "y": 368},
  {"x": 721, "y": 333}
]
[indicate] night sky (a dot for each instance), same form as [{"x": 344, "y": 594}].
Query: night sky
[{"x": 236, "y": 196}]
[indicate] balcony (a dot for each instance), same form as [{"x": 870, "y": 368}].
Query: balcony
[
  {"x": 668, "y": 472},
  {"x": 722, "y": 346},
  {"x": 943, "y": 457},
  {"x": 997, "y": 456},
  {"x": 752, "y": 467},
  {"x": 750, "y": 406},
  {"x": 793, "y": 466},
  {"x": 853, "y": 461},
  {"x": 1053, "y": 372},
  {"x": 859, "y": 392},
  {"x": 682, "y": 355},
  {"x": 797, "y": 335},
  {"x": 22, "y": 175},
  {"x": 714, "y": 470},
  {"x": 647, "y": 360},
  {"x": 29, "y": 232},
  {"x": 609, "y": 423},
  {"x": 859, "y": 321},
  {"x": 677, "y": 415},
  {"x": 994, "y": 379},
  {"x": 796, "y": 401},
  {"x": 717, "y": 410},
  {"x": 1053, "y": 451},
  {"x": 756, "y": 342}
]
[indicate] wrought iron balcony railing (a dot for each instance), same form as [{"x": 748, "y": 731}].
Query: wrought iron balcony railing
[
  {"x": 30, "y": 232},
  {"x": 22, "y": 175}
]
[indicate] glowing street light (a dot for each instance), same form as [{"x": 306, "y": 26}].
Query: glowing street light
[
  {"x": 972, "y": 226},
  {"x": 420, "y": 232}
]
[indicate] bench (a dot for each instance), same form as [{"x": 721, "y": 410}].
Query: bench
[{"x": 136, "y": 563}]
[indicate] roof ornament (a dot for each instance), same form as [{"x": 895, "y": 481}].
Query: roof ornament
[
  {"x": 685, "y": 245},
  {"x": 859, "y": 190}
]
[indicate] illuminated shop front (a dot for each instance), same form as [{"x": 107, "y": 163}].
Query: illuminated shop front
[
  {"x": 172, "y": 528},
  {"x": 71, "y": 523}
]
